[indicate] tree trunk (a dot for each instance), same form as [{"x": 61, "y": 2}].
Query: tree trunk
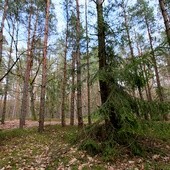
[
  {"x": 44, "y": 71},
  {"x": 101, "y": 51},
  {"x": 165, "y": 18},
  {"x": 33, "y": 46},
  {"x": 7, "y": 80},
  {"x": 72, "y": 90},
  {"x": 88, "y": 67},
  {"x": 160, "y": 92},
  {"x": 32, "y": 94},
  {"x": 79, "y": 97},
  {"x": 63, "y": 121},
  {"x": 167, "y": 26},
  {"x": 33, "y": 114},
  {"x": 2, "y": 28},
  {"x": 24, "y": 105},
  {"x": 104, "y": 86}
]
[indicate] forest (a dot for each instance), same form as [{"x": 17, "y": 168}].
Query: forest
[{"x": 85, "y": 84}]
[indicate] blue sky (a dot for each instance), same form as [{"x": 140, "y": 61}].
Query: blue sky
[
  {"x": 59, "y": 10},
  {"x": 61, "y": 23}
]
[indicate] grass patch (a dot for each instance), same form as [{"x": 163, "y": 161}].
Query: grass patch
[{"x": 10, "y": 134}]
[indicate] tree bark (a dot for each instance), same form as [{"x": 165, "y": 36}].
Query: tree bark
[
  {"x": 7, "y": 81},
  {"x": 165, "y": 18},
  {"x": 32, "y": 107},
  {"x": 104, "y": 86},
  {"x": 24, "y": 105},
  {"x": 88, "y": 67},
  {"x": 44, "y": 71},
  {"x": 101, "y": 51},
  {"x": 2, "y": 28},
  {"x": 33, "y": 46},
  {"x": 79, "y": 96},
  {"x": 32, "y": 93},
  {"x": 160, "y": 92},
  {"x": 63, "y": 121},
  {"x": 72, "y": 90}
]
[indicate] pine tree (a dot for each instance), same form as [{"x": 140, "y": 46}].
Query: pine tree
[
  {"x": 2, "y": 28},
  {"x": 166, "y": 18},
  {"x": 88, "y": 66},
  {"x": 63, "y": 121},
  {"x": 44, "y": 70},
  {"x": 78, "y": 59},
  {"x": 24, "y": 105}
]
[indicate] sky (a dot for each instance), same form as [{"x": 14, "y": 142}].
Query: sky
[
  {"x": 59, "y": 13},
  {"x": 61, "y": 22},
  {"x": 59, "y": 10}
]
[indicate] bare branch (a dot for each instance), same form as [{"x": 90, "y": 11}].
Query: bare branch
[{"x": 11, "y": 66}]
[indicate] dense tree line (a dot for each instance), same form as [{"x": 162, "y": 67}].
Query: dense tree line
[{"x": 110, "y": 57}]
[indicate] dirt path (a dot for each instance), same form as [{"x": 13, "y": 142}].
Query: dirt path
[{"x": 13, "y": 124}]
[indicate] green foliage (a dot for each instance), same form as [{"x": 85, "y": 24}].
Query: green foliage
[
  {"x": 6, "y": 135},
  {"x": 155, "y": 109},
  {"x": 91, "y": 146},
  {"x": 71, "y": 137},
  {"x": 155, "y": 129},
  {"x": 130, "y": 140},
  {"x": 104, "y": 140},
  {"x": 110, "y": 149}
]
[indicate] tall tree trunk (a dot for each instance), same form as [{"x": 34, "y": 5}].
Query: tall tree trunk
[
  {"x": 44, "y": 70},
  {"x": 17, "y": 100},
  {"x": 88, "y": 67},
  {"x": 33, "y": 44},
  {"x": 7, "y": 81},
  {"x": 24, "y": 105},
  {"x": 104, "y": 86},
  {"x": 63, "y": 121},
  {"x": 72, "y": 90},
  {"x": 165, "y": 18},
  {"x": 101, "y": 51},
  {"x": 32, "y": 107},
  {"x": 79, "y": 97},
  {"x": 160, "y": 92},
  {"x": 2, "y": 28},
  {"x": 32, "y": 94}
]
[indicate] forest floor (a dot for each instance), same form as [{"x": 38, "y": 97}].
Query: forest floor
[
  {"x": 13, "y": 124},
  {"x": 52, "y": 150}
]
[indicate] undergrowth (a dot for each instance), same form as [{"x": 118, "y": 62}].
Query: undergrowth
[
  {"x": 9, "y": 134},
  {"x": 110, "y": 144}
]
